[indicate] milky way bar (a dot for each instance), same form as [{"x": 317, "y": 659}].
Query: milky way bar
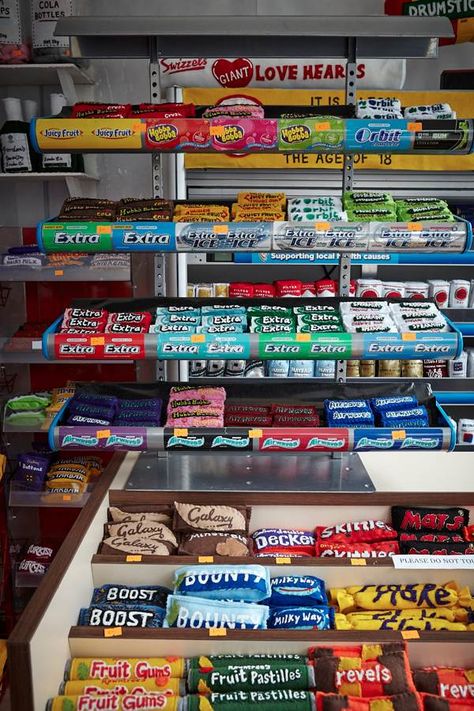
[{"x": 209, "y": 517}]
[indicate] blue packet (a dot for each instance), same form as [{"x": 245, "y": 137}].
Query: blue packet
[
  {"x": 393, "y": 402},
  {"x": 197, "y": 613},
  {"x": 278, "y": 368},
  {"x": 125, "y": 595},
  {"x": 413, "y": 413},
  {"x": 142, "y": 403},
  {"x": 121, "y": 616},
  {"x": 333, "y": 405},
  {"x": 103, "y": 412},
  {"x": 250, "y": 583},
  {"x": 167, "y": 310},
  {"x": 306, "y": 590},
  {"x": 227, "y": 319},
  {"x": 96, "y": 399},
  {"x": 324, "y": 368},
  {"x": 402, "y": 424},
  {"x": 340, "y": 418},
  {"x": 219, "y": 309},
  {"x": 188, "y": 319},
  {"x": 301, "y": 618},
  {"x": 301, "y": 369}
]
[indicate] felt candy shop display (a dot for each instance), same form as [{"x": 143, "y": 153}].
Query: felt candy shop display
[{"x": 53, "y": 474}]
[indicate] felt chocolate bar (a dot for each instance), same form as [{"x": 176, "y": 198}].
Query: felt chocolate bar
[
  {"x": 254, "y": 677},
  {"x": 151, "y": 403},
  {"x": 296, "y": 421},
  {"x": 249, "y": 420},
  {"x": 161, "y": 514},
  {"x": 400, "y": 597},
  {"x": 125, "y": 669},
  {"x": 154, "y": 595},
  {"x": 97, "y": 687},
  {"x": 365, "y": 652},
  {"x": 388, "y": 674},
  {"x": 224, "y": 544},
  {"x": 432, "y": 537},
  {"x": 333, "y": 549},
  {"x": 189, "y": 518},
  {"x": 185, "y": 611},
  {"x": 356, "y": 531},
  {"x": 320, "y": 617},
  {"x": 283, "y": 541},
  {"x": 303, "y": 590},
  {"x": 142, "y": 529},
  {"x": 103, "y": 412},
  {"x": 135, "y": 415},
  {"x": 269, "y": 700},
  {"x": 121, "y": 616},
  {"x": 247, "y": 409},
  {"x": 408, "y": 701},
  {"x": 416, "y": 518},
  {"x": 135, "y": 545},
  {"x": 96, "y": 399},
  {"x": 432, "y": 702},
  {"x": 426, "y": 548},
  {"x": 249, "y": 583},
  {"x": 289, "y": 410}
]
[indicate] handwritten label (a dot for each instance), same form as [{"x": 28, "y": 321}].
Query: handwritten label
[
  {"x": 102, "y": 434},
  {"x": 399, "y": 434},
  {"x": 216, "y": 632},
  {"x": 206, "y": 559},
  {"x": 216, "y": 130},
  {"x": 322, "y": 226},
  {"x": 408, "y": 336},
  {"x": 198, "y": 338},
  {"x": 416, "y": 126},
  {"x": 323, "y": 126},
  {"x": 255, "y": 433},
  {"x": 358, "y": 561},
  {"x": 67, "y": 497},
  {"x": 303, "y": 337},
  {"x": 133, "y": 559},
  {"x": 220, "y": 229},
  {"x": 180, "y": 432},
  {"x": 113, "y": 632},
  {"x": 97, "y": 341},
  {"x": 283, "y": 561},
  {"x": 410, "y": 634},
  {"x": 414, "y": 226},
  {"x": 59, "y": 272},
  {"x": 104, "y": 229}
]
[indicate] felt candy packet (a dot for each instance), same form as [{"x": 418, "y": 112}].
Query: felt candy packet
[
  {"x": 135, "y": 545},
  {"x": 269, "y": 700},
  {"x": 234, "y": 661},
  {"x": 189, "y": 518},
  {"x": 438, "y": 703},
  {"x": 408, "y": 701},
  {"x": 121, "y": 616},
  {"x": 383, "y": 549},
  {"x": 357, "y": 531},
  {"x": 304, "y": 590},
  {"x": 210, "y": 543},
  {"x": 283, "y": 541},
  {"x": 417, "y": 518},
  {"x": 320, "y": 617},
  {"x": 197, "y": 613},
  {"x": 153, "y": 595},
  {"x": 249, "y": 583},
  {"x": 253, "y": 677},
  {"x": 447, "y": 682},
  {"x": 125, "y": 669},
  {"x": 338, "y": 673},
  {"x": 153, "y": 700},
  {"x": 118, "y": 515},
  {"x": 98, "y": 687}
]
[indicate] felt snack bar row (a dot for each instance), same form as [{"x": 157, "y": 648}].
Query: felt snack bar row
[{"x": 367, "y": 676}]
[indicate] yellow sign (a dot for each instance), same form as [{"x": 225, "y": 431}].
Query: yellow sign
[
  {"x": 94, "y": 134},
  {"x": 461, "y": 101}
]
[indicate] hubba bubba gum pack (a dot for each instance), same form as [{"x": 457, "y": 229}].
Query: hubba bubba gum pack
[
  {"x": 319, "y": 132},
  {"x": 177, "y": 135}
]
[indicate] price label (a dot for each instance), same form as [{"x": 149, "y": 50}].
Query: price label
[
  {"x": 416, "y": 126},
  {"x": 206, "y": 559},
  {"x": 216, "y": 130},
  {"x": 104, "y": 229},
  {"x": 180, "y": 432},
  {"x": 323, "y": 126},
  {"x": 303, "y": 337},
  {"x": 198, "y": 338},
  {"x": 410, "y": 634},
  {"x": 97, "y": 341},
  {"x": 408, "y": 336},
  {"x": 102, "y": 434},
  {"x": 133, "y": 559},
  {"x": 255, "y": 433},
  {"x": 220, "y": 229},
  {"x": 322, "y": 226},
  {"x": 399, "y": 434},
  {"x": 414, "y": 226},
  {"x": 113, "y": 632},
  {"x": 358, "y": 561},
  {"x": 59, "y": 272},
  {"x": 217, "y": 632},
  {"x": 283, "y": 561},
  {"x": 67, "y": 497}
]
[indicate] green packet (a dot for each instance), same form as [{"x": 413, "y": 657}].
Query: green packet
[
  {"x": 430, "y": 215},
  {"x": 360, "y": 197},
  {"x": 310, "y": 133},
  {"x": 268, "y": 309},
  {"x": 30, "y": 402},
  {"x": 278, "y": 328},
  {"x": 207, "y": 663},
  {"x": 251, "y": 678},
  {"x": 421, "y": 201},
  {"x": 271, "y": 700}
]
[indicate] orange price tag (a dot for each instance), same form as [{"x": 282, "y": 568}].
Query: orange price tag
[
  {"x": 322, "y": 226},
  {"x": 206, "y": 559},
  {"x": 282, "y": 561},
  {"x": 113, "y": 632},
  {"x": 417, "y": 126},
  {"x": 255, "y": 433},
  {"x": 303, "y": 337},
  {"x": 414, "y": 226},
  {"x": 138, "y": 127},
  {"x": 220, "y": 229},
  {"x": 323, "y": 126},
  {"x": 104, "y": 229},
  {"x": 59, "y": 272},
  {"x": 180, "y": 432},
  {"x": 399, "y": 434},
  {"x": 216, "y": 130},
  {"x": 358, "y": 561},
  {"x": 133, "y": 559},
  {"x": 97, "y": 341},
  {"x": 102, "y": 434},
  {"x": 408, "y": 336},
  {"x": 67, "y": 497},
  {"x": 218, "y": 632},
  {"x": 410, "y": 634},
  {"x": 198, "y": 338}
]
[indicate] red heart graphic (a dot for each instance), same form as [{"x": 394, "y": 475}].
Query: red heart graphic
[{"x": 233, "y": 74}]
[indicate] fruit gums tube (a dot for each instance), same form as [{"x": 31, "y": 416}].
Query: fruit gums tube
[
  {"x": 251, "y": 678},
  {"x": 97, "y": 687},
  {"x": 129, "y": 702}
]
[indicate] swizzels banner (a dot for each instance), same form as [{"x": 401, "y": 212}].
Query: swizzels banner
[
  {"x": 460, "y": 12},
  {"x": 461, "y": 101},
  {"x": 297, "y": 74}
]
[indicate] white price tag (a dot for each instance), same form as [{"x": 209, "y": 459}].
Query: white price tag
[
  {"x": 10, "y": 27},
  {"x": 36, "y": 345},
  {"x": 434, "y": 562}
]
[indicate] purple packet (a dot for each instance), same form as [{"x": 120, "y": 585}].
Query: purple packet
[
  {"x": 32, "y": 471},
  {"x": 137, "y": 415},
  {"x": 140, "y": 423},
  {"x": 97, "y": 399},
  {"x": 144, "y": 403},
  {"x": 89, "y": 410},
  {"x": 24, "y": 249},
  {"x": 83, "y": 420}
]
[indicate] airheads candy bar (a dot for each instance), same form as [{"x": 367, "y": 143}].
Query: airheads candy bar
[
  {"x": 283, "y": 541},
  {"x": 357, "y": 531},
  {"x": 413, "y": 518}
]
